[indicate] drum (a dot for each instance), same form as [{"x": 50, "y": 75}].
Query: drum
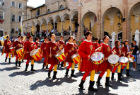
[
  {"x": 113, "y": 60},
  {"x": 97, "y": 58},
  {"x": 19, "y": 52},
  {"x": 11, "y": 49},
  {"x": 36, "y": 54},
  {"x": 131, "y": 58},
  {"x": 123, "y": 61},
  {"x": 76, "y": 58},
  {"x": 60, "y": 56}
]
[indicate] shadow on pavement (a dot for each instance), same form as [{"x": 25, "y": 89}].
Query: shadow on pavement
[
  {"x": 9, "y": 69},
  {"x": 23, "y": 73},
  {"x": 50, "y": 83}
]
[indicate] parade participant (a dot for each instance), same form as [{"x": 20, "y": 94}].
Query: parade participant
[
  {"x": 37, "y": 42},
  {"x": 44, "y": 51},
  {"x": 61, "y": 43},
  {"x": 86, "y": 49},
  {"x": 29, "y": 45},
  {"x": 17, "y": 45},
  {"x": 125, "y": 52},
  {"x": 7, "y": 45},
  {"x": 69, "y": 51},
  {"x": 105, "y": 66},
  {"x": 116, "y": 50},
  {"x": 96, "y": 43},
  {"x": 53, "y": 49},
  {"x": 134, "y": 53}
]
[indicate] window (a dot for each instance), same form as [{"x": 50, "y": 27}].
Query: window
[
  {"x": 49, "y": 11},
  {"x": 13, "y": 18},
  {"x": 61, "y": 7},
  {"x": 13, "y": 4},
  {"x": 1, "y": 2},
  {"x": 19, "y": 18},
  {"x": 1, "y": 15},
  {"x": 38, "y": 13},
  {"x": 20, "y": 5}
]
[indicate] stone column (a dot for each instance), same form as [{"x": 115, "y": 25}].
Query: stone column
[
  {"x": 100, "y": 28},
  {"x": 79, "y": 36},
  {"x": 125, "y": 26},
  {"x": 62, "y": 26}
]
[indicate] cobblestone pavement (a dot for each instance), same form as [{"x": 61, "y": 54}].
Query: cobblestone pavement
[{"x": 14, "y": 81}]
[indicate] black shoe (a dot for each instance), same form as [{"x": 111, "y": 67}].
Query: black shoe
[
  {"x": 66, "y": 74},
  {"x": 49, "y": 73},
  {"x": 32, "y": 68},
  {"x": 81, "y": 85},
  {"x": 98, "y": 81},
  {"x": 112, "y": 77},
  {"x": 91, "y": 88},
  {"x": 107, "y": 84},
  {"x": 119, "y": 77},
  {"x": 6, "y": 59},
  {"x": 54, "y": 75},
  {"x": 16, "y": 63},
  {"x": 72, "y": 73},
  {"x": 26, "y": 67},
  {"x": 9, "y": 60},
  {"x": 43, "y": 66},
  {"x": 47, "y": 67},
  {"x": 127, "y": 73},
  {"x": 19, "y": 63}
]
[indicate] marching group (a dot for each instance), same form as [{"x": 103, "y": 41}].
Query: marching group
[{"x": 27, "y": 49}]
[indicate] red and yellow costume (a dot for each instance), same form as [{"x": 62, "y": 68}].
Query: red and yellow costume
[
  {"x": 86, "y": 49},
  {"x": 69, "y": 51}
]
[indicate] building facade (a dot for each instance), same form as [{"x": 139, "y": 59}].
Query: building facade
[
  {"x": 102, "y": 17},
  {"x": 11, "y": 14}
]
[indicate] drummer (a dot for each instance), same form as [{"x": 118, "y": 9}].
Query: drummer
[
  {"x": 44, "y": 51},
  {"x": 69, "y": 51},
  {"x": 53, "y": 49},
  {"x": 105, "y": 66},
  {"x": 86, "y": 49},
  {"x": 6, "y": 49},
  {"x": 125, "y": 52},
  {"x": 17, "y": 45},
  {"x": 28, "y": 47},
  {"x": 116, "y": 50},
  {"x": 37, "y": 42},
  {"x": 61, "y": 43}
]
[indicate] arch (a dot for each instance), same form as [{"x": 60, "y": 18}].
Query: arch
[
  {"x": 134, "y": 17},
  {"x": 112, "y": 21},
  {"x": 89, "y": 22}
]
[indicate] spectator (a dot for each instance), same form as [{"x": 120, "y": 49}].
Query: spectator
[{"x": 135, "y": 50}]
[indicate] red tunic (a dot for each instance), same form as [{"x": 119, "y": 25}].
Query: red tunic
[
  {"x": 96, "y": 45},
  {"x": 116, "y": 51},
  {"x": 52, "y": 49},
  {"x": 69, "y": 51},
  {"x": 86, "y": 49},
  {"x": 124, "y": 51},
  {"x": 106, "y": 50},
  {"x": 60, "y": 42},
  {"x": 28, "y": 47},
  {"x": 17, "y": 45},
  {"x": 45, "y": 49},
  {"x": 7, "y": 45}
]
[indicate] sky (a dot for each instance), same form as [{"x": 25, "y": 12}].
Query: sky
[{"x": 35, "y": 3}]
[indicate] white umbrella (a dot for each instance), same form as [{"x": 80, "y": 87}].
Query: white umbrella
[{"x": 137, "y": 36}]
